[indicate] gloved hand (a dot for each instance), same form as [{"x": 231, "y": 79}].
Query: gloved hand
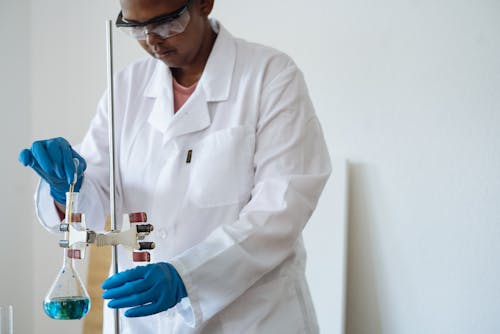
[
  {"x": 52, "y": 160},
  {"x": 148, "y": 289}
]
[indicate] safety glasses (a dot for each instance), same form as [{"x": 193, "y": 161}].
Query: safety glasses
[{"x": 164, "y": 26}]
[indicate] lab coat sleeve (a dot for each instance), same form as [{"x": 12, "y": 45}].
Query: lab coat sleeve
[
  {"x": 292, "y": 165},
  {"x": 45, "y": 208}
]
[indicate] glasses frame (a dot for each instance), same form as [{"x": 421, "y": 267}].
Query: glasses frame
[{"x": 122, "y": 23}]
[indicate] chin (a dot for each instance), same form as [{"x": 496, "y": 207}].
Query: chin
[{"x": 170, "y": 61}]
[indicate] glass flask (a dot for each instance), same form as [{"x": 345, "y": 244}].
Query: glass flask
[{"x": 68, "y": 299}]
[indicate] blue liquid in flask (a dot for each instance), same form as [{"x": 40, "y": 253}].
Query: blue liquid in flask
[{"x": 67, "y": 308}]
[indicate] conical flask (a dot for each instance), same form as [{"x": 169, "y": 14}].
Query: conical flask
[{"x": 67, "y": 299}]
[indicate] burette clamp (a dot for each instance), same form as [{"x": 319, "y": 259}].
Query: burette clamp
[{"x": 134, "y": 230}]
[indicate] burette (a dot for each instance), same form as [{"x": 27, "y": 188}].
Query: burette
[{"x": 111, "y": 135}]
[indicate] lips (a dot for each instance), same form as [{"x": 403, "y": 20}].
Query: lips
[{"x": 164, "y": 53}]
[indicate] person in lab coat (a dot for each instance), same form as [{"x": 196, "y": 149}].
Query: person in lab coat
[{"x": 217, "y": 140}]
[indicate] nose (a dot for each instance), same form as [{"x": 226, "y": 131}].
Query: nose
[{"x": 153, "y": 39}]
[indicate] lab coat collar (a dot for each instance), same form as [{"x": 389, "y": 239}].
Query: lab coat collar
[
  {"x": 160, "y": 83},
  {"x": 218, "y": 74},
  {"x": 193, "y": 115},
  {"x": 160, "y": 88},
  {"x": 214, "y": 85}
]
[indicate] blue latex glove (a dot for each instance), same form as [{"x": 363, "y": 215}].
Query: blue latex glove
[
  {"x": 148, "y": 289},
  {"x": 52, "y": 160}
]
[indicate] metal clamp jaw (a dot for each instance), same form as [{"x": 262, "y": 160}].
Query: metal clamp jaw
[{"x": 134, "y": 230}]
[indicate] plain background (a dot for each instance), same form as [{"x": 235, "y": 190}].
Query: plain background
[{"x": 407, "y": 90}]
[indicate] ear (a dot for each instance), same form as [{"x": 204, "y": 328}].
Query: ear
[{"x": 206, "y": 7}]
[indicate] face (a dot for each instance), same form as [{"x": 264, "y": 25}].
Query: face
[{"x": 179, "y": 51}]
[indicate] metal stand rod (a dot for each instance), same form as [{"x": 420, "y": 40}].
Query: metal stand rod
[{"x": 111, "y": 134}]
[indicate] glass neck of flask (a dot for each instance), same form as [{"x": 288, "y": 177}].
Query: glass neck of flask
[
  {"x": 68, "y": 260},
  {"x": 73, "y": 217},
  {"x": 72, "y": 208}
]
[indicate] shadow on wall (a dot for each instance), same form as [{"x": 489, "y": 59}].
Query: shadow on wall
[
  {"x": 362, "y": 284},
  {"x": 325, "y": 240}
]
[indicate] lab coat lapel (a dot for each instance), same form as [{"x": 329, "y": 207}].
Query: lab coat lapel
[
  {"x": 192, "y": 117},
  {"x": 213, "y": 86},
  {"x": 218, "y": 74},
  {"x": 160, "y": 89}
]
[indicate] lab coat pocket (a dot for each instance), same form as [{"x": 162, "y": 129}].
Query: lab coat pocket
[{"x": 222, "y": 167}]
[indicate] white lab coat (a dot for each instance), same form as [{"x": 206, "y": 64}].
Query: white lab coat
[{"x": 229, "y": 221}]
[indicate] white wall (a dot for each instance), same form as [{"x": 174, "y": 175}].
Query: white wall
[
  {"x": 417, "y": 99},
  {"x": 408, "y": 91},
  {"x": 15, "y": 193}
]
